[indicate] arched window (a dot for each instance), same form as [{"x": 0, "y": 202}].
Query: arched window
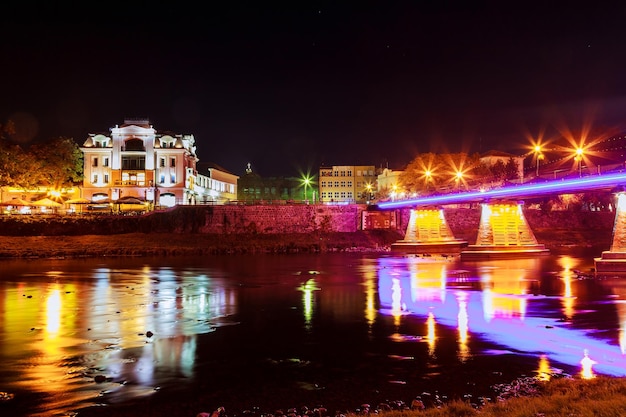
[{"x": 134, "y": 145}]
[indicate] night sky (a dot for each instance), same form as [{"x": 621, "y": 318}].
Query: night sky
[{"x": 288, "y": 86}]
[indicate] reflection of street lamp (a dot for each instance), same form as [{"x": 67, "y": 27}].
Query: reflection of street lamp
[
  {"x": 538, "y": 156},
  {"x": 579, "y": 158}
]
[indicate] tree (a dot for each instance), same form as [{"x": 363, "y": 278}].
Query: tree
[
  {"x": 511, "y": 169},
  {"x": 15, "y": 166},
  {"x": 59, "y": 163}
]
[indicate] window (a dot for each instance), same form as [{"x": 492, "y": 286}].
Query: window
[
  {"x": 134, "y": 162},
  {"x": 336, "y": 173},
  {"x": 106, "y": 178},
  {"x": 343, "y": 173},
  {"x": 134, "y": 145},
  {"x": 173, "y": 179},
  {"x": 343, "y": 183},
  {"x": 95, "y": 179},
  {"x": 349, "y": 183},
  {"x": 94, "y": 162},
  {"x": 349, "y": 173},
  {"x": 323, "y": 183},
  {"x": 336, "y": 183},
  {"x": 106, "y": 162},
  {"x": 162, "y": 162},
  {"x": 162, "y": 179},
  {"x": 172, "y": 162}
]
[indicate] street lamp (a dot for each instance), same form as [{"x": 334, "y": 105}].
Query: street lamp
[
  {"x": 368, "y": 187},
  {"x": 579, "y": 158},
  {"x": 429, "y": 177},
  {"x": 459, "y": 177},
  {"x": 538, "y": 156},
  {"x": 306, "y": 181}
]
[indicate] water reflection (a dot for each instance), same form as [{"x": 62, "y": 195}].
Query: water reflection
[
  {"x": 499, "y": 301},
  {"x": 144, "y": 326},
  {"x": 79, "y": 329}
]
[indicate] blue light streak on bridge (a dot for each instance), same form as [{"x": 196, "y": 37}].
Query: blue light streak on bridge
[{"x": 563, "y": 186}]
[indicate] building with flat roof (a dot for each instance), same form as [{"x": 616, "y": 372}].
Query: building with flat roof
[{"x": 345, "y": 184}]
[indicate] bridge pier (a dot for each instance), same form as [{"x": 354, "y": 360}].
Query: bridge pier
[
  {"x": 614, "y": 260},
  {"x": 428, "y": 232},
  {"x": 503, "y": 233}
]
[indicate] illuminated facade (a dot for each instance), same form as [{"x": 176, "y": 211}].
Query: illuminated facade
[
  {"x": 155, "y": 167},
  {"x": 389, "y": 181},
  {"x": 347, "y": 183}
]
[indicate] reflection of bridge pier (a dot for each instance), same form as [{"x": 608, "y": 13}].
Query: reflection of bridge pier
[
  {"x": 503, "y": 232},
  {"x": 614, "y": 260},
  {"x": 428, "y": 232}
]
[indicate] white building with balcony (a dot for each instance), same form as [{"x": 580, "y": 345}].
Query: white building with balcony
[{"x": 136, "y": 161}]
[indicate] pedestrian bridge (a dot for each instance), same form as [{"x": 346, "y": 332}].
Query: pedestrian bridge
[{"x": 503, "y": 231}]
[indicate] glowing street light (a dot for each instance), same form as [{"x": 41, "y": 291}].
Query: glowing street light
[
  {"x": 579, "y": 158},
  {"x": 306, "y": 181},
  {"x": 368, "y": 187},
  {"x": 538, "y": 156},
  {"x": 428, "y": 174},
  {"x": 459, "y": 178}
]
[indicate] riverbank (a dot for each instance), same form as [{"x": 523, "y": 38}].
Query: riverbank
[
  {"x": 163, "y": 244},
  {"x": 526, "y": 396}
]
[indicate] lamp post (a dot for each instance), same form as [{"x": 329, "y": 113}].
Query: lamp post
[
  {"x": 368, "y": 187},
  {"x": 579, "y": 158},
  {"x": 538, "y": 157},
  {"x": 459, "y": 177},
  {"x": 306, "y": 181},
  {"x": 429, "y": 177}
]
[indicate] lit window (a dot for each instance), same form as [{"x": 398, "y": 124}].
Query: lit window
[
  {"x": 173, "y": 179},
  {"x": 162, "y": 179}
]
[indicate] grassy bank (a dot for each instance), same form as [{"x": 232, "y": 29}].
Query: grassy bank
[{"x": 526, "y": 397}]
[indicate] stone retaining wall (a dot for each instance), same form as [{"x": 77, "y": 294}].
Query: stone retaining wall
[{"x": 260, "y": 219}]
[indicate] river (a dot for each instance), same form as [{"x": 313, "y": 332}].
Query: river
[{"x": 181, "y": 335}]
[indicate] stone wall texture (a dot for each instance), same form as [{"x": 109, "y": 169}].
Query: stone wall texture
[{"x": 268, "y": 219}]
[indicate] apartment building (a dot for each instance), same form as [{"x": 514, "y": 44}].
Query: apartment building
[
  {"x": 345, "y": 184},
  {"x": 136, "y": 161}
]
